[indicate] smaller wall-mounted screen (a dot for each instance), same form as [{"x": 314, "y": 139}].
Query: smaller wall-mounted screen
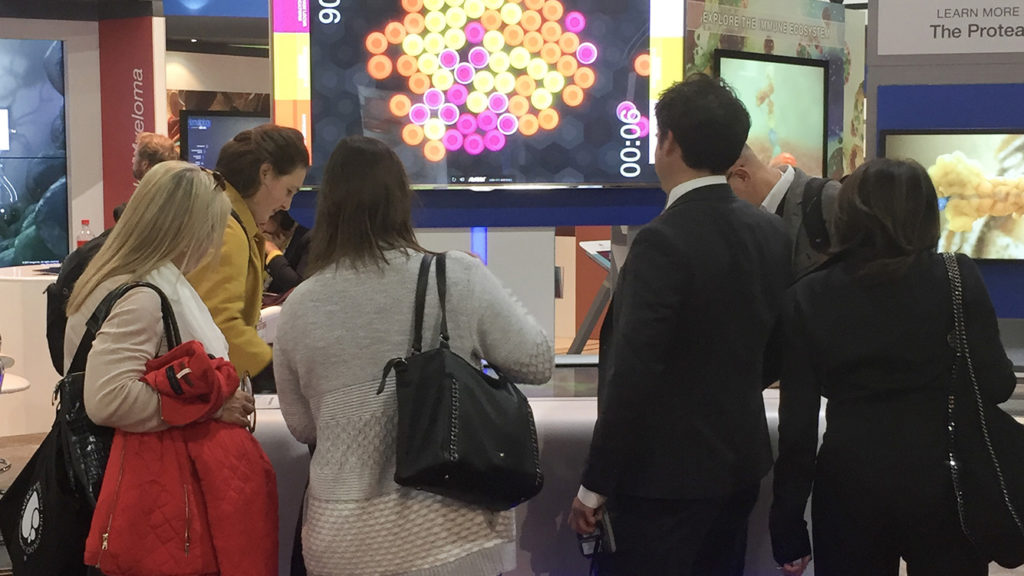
[
  {"x": 979, "y": 177},
  {"x": 33, "y": 157},
  {"x": 204, "y": 133},
  {"x": 787, "y": 101}
]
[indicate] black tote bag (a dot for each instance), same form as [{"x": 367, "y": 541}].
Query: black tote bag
[
  {"x": 986, "y": 453},
  {"x": 461, "y": 433},
  {"x": 45, "y": 515}
]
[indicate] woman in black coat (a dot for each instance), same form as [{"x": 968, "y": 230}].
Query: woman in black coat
[{"x": 870, "y": 333}]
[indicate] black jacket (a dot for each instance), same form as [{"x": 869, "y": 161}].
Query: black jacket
[
  {"x": 879, "y": 351},
  {"x": 287, "y": 271},
  {"x": 680, "y": 411}
]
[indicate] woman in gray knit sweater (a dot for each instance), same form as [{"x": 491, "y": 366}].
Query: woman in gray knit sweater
[{"x": 337, "y": 331}]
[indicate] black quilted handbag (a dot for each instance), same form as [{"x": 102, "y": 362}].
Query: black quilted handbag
[
  {"x": 986, "y": 453},
  {"x": 461, "y": 433}
]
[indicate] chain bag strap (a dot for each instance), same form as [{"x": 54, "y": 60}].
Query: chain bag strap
[{"x": 963, "y": 360}]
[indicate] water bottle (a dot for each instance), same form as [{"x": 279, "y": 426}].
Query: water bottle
[{"x": 84, "y": 234}]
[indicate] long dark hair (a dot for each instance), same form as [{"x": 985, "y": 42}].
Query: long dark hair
[
  {"x": 887, "y": 216},
  {"x": 364, "y": 206},
  {"x": 240, "y": 159}
]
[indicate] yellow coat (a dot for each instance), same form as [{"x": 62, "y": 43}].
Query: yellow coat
[{"x": 231, "y": 285}]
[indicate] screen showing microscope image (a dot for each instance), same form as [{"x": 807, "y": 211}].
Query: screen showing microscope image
[
  {"x": 787, "y": 101},
  {"x": 33, "y": 160},
  {"x": 494, "y": 92},
  {"x": 979, "y": 179}
]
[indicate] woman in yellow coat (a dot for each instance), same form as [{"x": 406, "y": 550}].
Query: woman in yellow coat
[{"x": 264, "y": 168}]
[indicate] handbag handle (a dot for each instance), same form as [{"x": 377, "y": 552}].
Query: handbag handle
[
  {"x": 92, "y": 326},
  {"x": 421, "y": 299},
  {"x": 963, "y": 357}
]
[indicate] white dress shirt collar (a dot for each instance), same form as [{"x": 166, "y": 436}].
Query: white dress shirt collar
[
  {"x": 677, "y": 192},
  {"x": 774, "y": 198}
]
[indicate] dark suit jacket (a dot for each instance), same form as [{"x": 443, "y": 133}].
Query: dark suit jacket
[
  {"x": 879, "y": 352},
  {"x": 288, "y": 271},
  {"x": 680, "y": 407},
  {"x": 805, "y": 257}
]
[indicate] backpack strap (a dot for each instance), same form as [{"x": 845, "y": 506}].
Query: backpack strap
[
  {"x": 421, "y": 300},
  {"x": 442, "y": 291},
  {"x": 92, "y": 326},
  {"x": 813, "y": 215}
]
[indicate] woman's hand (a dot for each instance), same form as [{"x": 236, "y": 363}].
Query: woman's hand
[
  {"x": 236, "y": 409},
  {"x": 796, "y": 567}
]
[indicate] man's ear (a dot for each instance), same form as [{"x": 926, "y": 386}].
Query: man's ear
[{"x": 741, "y": 173}]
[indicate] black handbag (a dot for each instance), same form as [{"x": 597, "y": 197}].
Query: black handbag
[
  {"x": 45, "y": 515},
  {"x": 461, "y": 432},
  {"x": 986, "y": 453}
]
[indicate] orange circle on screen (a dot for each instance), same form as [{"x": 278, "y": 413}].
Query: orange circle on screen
[
  {"x": 412, "y": 134},
  {"x": 528, "y": 125},
  {"x": 642, "y": 64},
  {"x": 518, "y": 105},
  {"x": 379, "y": 67},
  {"x": 533, "y": 42},
  {"x": 525, "y": 85},
  {"x": 548, "y": 118},
  {"x": 569, "y": 42},
  {"x": 395, "y": 32},
  {"x": 414, "y": 23},
  {"x": 550, "y": 53},
  {"x": 553, "y": 10},
  {"x": 566, "y": 66},
  {"x": 531, "y": 20},
  {"x": 419, "y": 83},
  {"x": 376, "y": 43},
  {"x": 491, "y": 20},
  {"x": 407, "y": 65},
  {"x": 551, "y": 31},
  {"x": 534, "y": 4},
  {"x": 514, "y": 35},
  {"x": 412, "y": 5},
  {"x": 434, "y": 150},
  {"x": 584, "y": 78},
  {"x": 572, "y": 95},
  {"x": 400, "y": 105}
]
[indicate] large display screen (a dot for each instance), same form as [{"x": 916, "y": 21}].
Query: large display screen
[
  {"x": 204, "y": 133},
  {"x": 979, "y": 177},
  {"x": 33, "y": 158},
  {"x": 787, "y": 101},
  {"x": 496, "y": 92}
]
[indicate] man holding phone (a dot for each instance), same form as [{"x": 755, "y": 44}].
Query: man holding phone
[{"x": 681, "y": 441}]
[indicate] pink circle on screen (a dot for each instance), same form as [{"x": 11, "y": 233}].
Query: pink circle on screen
[
  {"x": 586, "y": 53},
  {"x": 624, "y": 108},
  {"x": 419, "y": 114},
  {"x": 645, "y": 126},
  {"x": 498, "y": 102},
  {"x": 475, "y": 32},
  {"x": 508, "y": 124},
  {"x": 478, "y": 57},
  {"x": 457, "y": 94},
  {"x": 494, "y": 140},
  {"x": 474, "y": 144},
  {"x": 466, "y": 124},
  {"x": 487, "y": 120},
  {"x": 575, "y": 22},
  {"x": 448, "y": 58},
  {"x": 433, "y": 98},
  {"x": 464, "y": 73},
  {"x": 449, "y": 114},
  {"x": 452, "y": 140}
]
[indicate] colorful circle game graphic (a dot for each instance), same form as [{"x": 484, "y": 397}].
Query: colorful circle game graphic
[{"x": 490, "y": 90}]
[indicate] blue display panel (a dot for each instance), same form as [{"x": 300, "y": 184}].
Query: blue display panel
[
  {"x": 216, "y": 8},
  {"x": 203, "y": 134}
]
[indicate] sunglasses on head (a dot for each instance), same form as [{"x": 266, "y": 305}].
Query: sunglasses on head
[{"x": 219, "y": 180}]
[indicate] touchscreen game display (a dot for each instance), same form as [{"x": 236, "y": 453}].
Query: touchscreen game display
[
  {"x": 491, "y": 92},
  {"x": 979, "y": 178},
  {"x": 786, "y": 100},
  {"x": 203, "y": 134}
]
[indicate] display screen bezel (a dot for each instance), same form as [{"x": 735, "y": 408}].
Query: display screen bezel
[{"x": 185, "y": 115}]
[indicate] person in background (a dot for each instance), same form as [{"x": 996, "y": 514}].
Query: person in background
[
  {"x": 338, "y": 329},
  {"x": 782, "y": 191},
  {"x": 264, "y": 168},
  {"x": 150, "y": 150},
  {"x": 287, "y": 252},
  {"x": 870, "y": 332},
  {"x": 681, "y": 440}
]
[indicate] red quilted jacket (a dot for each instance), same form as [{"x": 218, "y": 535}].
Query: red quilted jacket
[{"x": 199, "y": 498}]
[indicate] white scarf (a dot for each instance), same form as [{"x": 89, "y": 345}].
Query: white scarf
[{"x": 194, "y": 319}]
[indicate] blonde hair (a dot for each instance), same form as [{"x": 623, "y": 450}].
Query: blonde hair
[{"x": 177, "y": 214}]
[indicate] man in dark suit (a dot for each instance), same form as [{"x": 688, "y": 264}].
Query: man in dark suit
[
  {"x": 681, "y": 442},
  {"x": 783, "y": 191}
]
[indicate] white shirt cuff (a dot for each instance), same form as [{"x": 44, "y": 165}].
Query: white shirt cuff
[{"x": 591, "y": 499}]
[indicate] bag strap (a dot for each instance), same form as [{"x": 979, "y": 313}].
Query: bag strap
[
  {"x": 92, "y": 326},
  {"x": 963, "y": 358},
  {"x": 813, "y": 215},
  {"x": 421, "y": 300},
  {"x": 442, "y": 291}
]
